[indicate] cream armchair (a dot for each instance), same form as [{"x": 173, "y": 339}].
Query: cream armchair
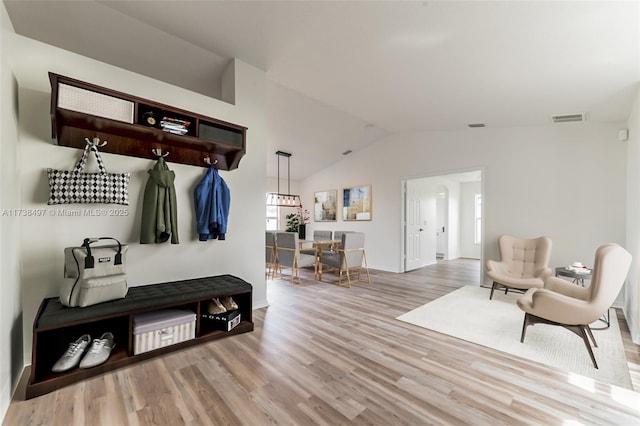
[
  {"x": 574, "y": 307},
  {"x": 524, "y": 263}
]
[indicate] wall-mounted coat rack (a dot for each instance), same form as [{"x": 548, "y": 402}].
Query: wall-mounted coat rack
[{"x": 140, "y": 127}]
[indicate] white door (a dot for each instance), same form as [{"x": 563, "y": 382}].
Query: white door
[{"x": 416, "y": 251}]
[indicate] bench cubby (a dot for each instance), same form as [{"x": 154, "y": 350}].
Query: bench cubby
[{"x": 55, "y": 326}]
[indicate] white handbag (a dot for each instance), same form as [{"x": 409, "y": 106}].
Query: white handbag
[{"x": 94, "y": 275}]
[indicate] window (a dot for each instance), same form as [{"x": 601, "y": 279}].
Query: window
[
  {"x": 272, "y": 218},
  {"x": 478, "y": 215}
]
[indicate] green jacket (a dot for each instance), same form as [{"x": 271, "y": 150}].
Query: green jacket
[{"x": 159, "y": 207}]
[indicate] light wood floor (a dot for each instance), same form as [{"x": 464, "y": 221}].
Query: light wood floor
[{"x": 322, "y": 354}]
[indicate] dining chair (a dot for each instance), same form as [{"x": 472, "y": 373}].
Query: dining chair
[
  {"x": 337, "y": 236},
  {"x": 318, "y": 235},
  {"x": 347, "y": 260},
  {"x": 289, "y": 256},
  {"x": 270, "y": 254}
]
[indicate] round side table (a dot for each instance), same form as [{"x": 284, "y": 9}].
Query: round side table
[{"x": 577, "y": 278}]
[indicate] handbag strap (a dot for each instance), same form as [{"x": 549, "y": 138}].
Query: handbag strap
[
  {"x": 89, "y": 261},
  {"x": 90, "y": 146}
]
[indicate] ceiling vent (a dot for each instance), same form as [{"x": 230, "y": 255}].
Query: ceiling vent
[{"x": 567, "y": 118}]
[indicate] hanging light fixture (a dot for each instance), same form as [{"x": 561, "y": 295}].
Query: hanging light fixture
[{"x": 279, "y": 199}]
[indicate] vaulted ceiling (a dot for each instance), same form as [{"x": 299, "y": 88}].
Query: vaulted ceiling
[{"x": 343, "y": 74}]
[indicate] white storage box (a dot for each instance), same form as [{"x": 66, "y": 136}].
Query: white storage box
[
  {"x": 88, "y": 102},
  {"x": 157, "y": 329}
]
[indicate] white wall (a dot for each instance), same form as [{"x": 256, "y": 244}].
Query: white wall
[
  {"x": 566, "y": 181},
  {"x": 632, "y": 286},
  {"x": 44, "y": 238},
  {"x": 11, "y": 318},
  {"x": 468, "y": 191}
]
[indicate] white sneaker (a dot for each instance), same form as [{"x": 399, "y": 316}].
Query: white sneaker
[
  {"x": 72, "y": 356},
  {"x": 99, "y": 352}
]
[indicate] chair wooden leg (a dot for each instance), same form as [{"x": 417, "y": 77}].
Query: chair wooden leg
[
  {"x": 348, "y": 279},
  {"x": 346, "y": 267},
  {"x": 364, "y": 256}
]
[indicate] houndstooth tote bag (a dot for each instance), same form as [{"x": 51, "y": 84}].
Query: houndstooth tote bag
[{"x": 75, "y": 186}]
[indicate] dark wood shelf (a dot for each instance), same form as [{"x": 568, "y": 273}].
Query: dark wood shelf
[
  {"x": 221, "y": 142},
  {"x": 55, "y": 326}
]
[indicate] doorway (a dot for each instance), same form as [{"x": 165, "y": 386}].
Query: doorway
[{"x": 440, "y": 218}]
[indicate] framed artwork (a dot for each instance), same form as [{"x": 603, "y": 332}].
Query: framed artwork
[
  {"x": 325, "y": 206},
  {"x": 356, "y": 203}
]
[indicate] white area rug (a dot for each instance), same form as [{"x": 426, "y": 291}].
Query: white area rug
[{"x": 468, "y": 314}]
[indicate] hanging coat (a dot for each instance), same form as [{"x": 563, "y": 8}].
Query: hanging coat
[
  {"x": 212, "y": 200},
  {"x": 159, "y": 207}
]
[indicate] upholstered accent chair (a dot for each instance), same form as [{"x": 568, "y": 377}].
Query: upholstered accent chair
[
  {"x": 270, "y": 254},
  {"x": 289, "y": 256},
  {"x": 524, "y": 263},
  {"x": 573, "y": 307},
  {"x": 347, "y": 260}
]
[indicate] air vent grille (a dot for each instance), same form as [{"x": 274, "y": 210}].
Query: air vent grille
[{"x": 567, "y": 118}]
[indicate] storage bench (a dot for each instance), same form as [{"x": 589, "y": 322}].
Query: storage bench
[{"x": 56, "y": 325}]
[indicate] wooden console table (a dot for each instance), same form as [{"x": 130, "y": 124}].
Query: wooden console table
[{"x": 55, "y": 326}]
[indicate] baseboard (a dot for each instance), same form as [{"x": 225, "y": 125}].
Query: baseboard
[
  {"x": 259, "y": 304},
  {"x": 18, "y": 392},
  {"x": 5, "y": 399},
  {"x": 635, "y": 334},
  {"x": 384, "y": 269}
]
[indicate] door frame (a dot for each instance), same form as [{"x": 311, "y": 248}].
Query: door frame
[{"x": 403, "y": 181}]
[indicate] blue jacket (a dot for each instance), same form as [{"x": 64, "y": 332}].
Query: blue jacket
[{"x": 212, "y": 200}]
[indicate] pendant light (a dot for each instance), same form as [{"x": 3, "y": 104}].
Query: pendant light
[{"x": 280, "y": 199}]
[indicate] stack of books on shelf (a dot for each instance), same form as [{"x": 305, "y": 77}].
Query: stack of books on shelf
[{"x": 175, "y": 125}]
